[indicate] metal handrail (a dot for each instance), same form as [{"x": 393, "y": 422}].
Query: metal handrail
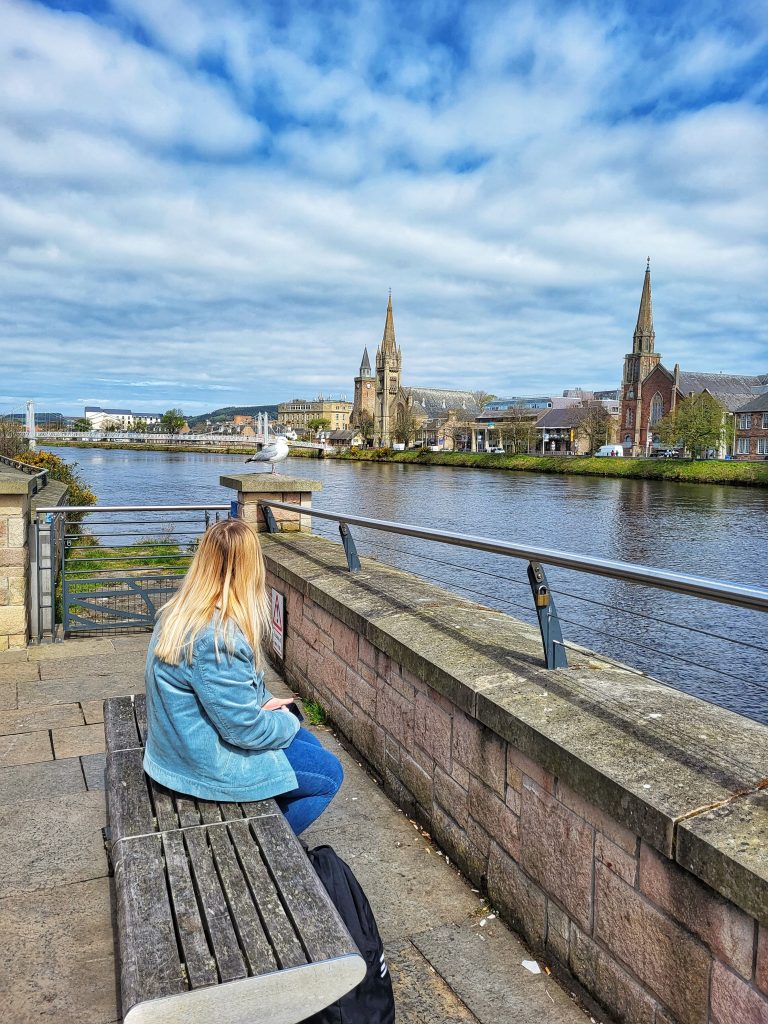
[
  {"x": 138, "y": 508},
  {"x": 662, "y": 579}
]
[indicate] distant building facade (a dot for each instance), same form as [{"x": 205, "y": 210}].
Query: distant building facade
[
  {"x": 649, "y": 391},
  {"x": 122, "y": 419},
  {"x": 752, "y": 428},
  {"x": 296, "y": 414}
]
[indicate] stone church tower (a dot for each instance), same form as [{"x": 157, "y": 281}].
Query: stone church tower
[
  {"x": 388, "y": 365},
  {"x": 638, "y": 365},
  {"x": 365, "y": 392}
]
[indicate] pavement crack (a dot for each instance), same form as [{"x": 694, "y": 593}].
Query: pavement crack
[{"x": 717, "y": 804}]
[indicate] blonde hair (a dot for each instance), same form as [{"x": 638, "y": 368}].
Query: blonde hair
[{"x": 225, "y": 584}]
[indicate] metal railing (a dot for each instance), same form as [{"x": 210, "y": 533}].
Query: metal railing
[
  {"x": 109, "y": 567},
  {"x": 751, "y": 598}
]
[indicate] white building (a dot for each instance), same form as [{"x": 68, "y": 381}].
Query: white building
[{"x": 122, "y": 419}]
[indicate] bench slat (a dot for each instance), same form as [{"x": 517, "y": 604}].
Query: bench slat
[
  {"x": 315, "y": 918},
  {"x": 218, "y": 923},
  {"x": 201, "y": 966},
  {"x": 245, "y": 917},
  {"x": 120, "y": 724},
  {"x": 165, "y": 812},
  {"x": 140, "y": 710},
  {"x": 287, "y": 947},
  {"x": 130, "y": 811},
  {"x": 186, "y": 808},
  {"x": 151, "y": 966}
]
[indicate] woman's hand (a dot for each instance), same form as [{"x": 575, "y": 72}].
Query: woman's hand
[{"x": 276, "y": 703}]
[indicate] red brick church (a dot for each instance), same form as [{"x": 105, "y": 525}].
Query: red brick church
[{"x": 649, "y": 390}]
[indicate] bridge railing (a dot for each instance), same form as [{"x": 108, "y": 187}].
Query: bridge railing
[{"x": 639, "y": 621}]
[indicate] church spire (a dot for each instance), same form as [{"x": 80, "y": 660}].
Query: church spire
[
  {"x": 365, "y": 365},
  {"x": 645, "y": 335},
  {"x": 388, "y": 343}
]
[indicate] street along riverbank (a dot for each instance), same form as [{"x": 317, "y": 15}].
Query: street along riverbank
[{"x": 745, "y": 474}]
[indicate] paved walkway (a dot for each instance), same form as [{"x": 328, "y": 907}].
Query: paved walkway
[{"x": 451, "y": 963}]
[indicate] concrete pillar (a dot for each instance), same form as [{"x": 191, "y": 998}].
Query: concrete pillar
[
  {"x": 15, "y": 491},
  {"x": 254, "y": 487}
]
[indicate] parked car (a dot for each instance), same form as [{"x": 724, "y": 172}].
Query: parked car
[
  {"x": 498, "y": 450},
  {"x": 609, "y": 451}
]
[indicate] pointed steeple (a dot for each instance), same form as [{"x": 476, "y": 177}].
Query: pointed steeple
[
  {"x": 388, "y": 343},
  {"x": 365, "y": 365},
  {"x": 645, "y": 335}
]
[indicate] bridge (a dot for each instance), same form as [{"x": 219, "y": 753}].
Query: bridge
[{"x": 97, "y": 437}]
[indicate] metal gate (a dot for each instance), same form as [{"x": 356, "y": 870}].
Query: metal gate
[{"x": 109, "y": 568}]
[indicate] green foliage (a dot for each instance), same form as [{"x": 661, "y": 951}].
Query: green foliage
[
  {"x": 318, "y": 423},
  {"x": 81, "y": 425},
  {"x": 365, "y": 425},
  {"x": 13, "y": 443},
  {"x": 315, "y": 713},
  {"x": 405, "y": 426},
  {"x": 172, "y": 421},
  {"x": 66, "y": 472},
  {"x": 697, "y": 424}
]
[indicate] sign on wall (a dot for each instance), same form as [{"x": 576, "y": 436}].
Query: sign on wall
[{"x": 278, "y": 624}]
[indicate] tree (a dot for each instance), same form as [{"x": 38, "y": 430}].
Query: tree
[
  {"x": 697, "y": 424},
  {"x": 140, "y": 426},
  {"x": 365, "y": 425},
  {"x": 594, "y": 422},
  {"x": 172, "y": 421},
  {"x": 482, "y": 398},
  {"x": 81, "y": 425},
  {"x": 13, "y": 442},
  {"x": 517, "y": 429},
  {"x": 318, "y": 423},
  {"x": 405, "y": 426}
]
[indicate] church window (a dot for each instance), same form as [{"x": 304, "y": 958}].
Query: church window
[
  {"x": 630, "y": 417},
  {"x": 628, "y": 441},
  {"x": 657, "y": 408}
]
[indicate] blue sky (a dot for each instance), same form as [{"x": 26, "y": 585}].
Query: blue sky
[{"x": 204, "y": 203}]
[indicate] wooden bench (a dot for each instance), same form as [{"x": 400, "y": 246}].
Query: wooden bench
[{"x": 220, "y": 915}]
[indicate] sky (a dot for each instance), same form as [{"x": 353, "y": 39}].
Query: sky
[{"x": 205, "y": 202}]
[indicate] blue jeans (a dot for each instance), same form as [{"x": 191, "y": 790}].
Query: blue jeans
[{"x": 319, "y": 775}]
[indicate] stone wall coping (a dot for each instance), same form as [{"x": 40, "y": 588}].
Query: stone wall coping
[
  {"x": 655, "y": 759},
  {"x": 13, "y": 481},
  {"x": 269, "y": 483},
  {"x": 54, "y": 492}
]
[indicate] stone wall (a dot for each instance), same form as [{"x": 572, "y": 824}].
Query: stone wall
[
  {"x": 619, "y": 825},
  {"x": 16, "y": 487}
]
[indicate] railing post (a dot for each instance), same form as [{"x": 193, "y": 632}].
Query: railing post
[
  {"x": 353, "y": 560},
  {"x": 551, "y": 634}
]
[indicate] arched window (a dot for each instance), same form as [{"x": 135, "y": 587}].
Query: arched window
[
  {"x": 657, "y": 408},
  {"x": 628, "y": 441},
  {"x": 630, "y": 418}
]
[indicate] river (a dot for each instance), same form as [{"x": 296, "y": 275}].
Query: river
[{"x": 713, "y": 531}]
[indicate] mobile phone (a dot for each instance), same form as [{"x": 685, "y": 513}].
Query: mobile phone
[{"x": 294, "y": 709}]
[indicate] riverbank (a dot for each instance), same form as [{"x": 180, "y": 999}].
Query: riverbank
[{"x": 746, "y": 474}]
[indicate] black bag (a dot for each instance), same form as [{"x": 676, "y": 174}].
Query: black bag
[{"x": 372, "y": 1001}]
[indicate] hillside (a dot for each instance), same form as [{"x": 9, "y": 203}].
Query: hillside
[{"x": 228, "y": 411}]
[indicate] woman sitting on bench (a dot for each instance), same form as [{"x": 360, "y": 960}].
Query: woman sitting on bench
[{"x": 213, "y": 730}]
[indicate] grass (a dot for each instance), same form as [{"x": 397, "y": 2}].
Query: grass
[
  {"x": 746, "y": 474},
  {"x": 315, "y": 713}
]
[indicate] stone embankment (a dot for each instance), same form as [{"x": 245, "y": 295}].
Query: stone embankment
[{"x": 619, "y": 825}]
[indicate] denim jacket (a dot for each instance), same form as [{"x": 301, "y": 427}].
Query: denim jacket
[{"x": 207, "y": 735}]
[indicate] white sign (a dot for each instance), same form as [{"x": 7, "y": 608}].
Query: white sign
[{"x": 278, "y": 623}]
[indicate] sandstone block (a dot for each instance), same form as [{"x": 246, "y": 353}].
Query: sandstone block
[
  {"x": 13, "y": 620},
  {"x": 366, "y": 652},
  {"x": 398, "y": 682},
  {"x": 432, "y": 730},
  {"x": 479, "y": 750},
  {"x": 733, "y": 1000},
  {"x": 519, "y": 765},
  {"x": 607, "y": 982},
  {"x": 489, "y": 811},
  {"x": 478, "y": 837},
  {"x": 451, "y": 797},
  {"x": 558, "y": 933},
  {"x": 17, "y": 591},
  {"x": 416, "y": 780},
  {"x": 329, "y": 672},
  {"x": 514, "y": 799},
  {"x": 516, "y": 896},
  {"x": 615, "y": 858},
  {"x": 728, "y": 931},
  {"x": 761, "y": 973},
  {"x": 13, "y": 556},
  {"x": 345, "y": 642},
  {"x": 460, "y": 774},
  {"x": 369, "y": 740},
  {"x": 17, "y": 641},
  {"x": 395, "y": 715},
  {"x": 17, "y": 532},
  {"x": 362, "y": 693},
  {"x": 556, "y": 851},
  {"x": 3, "y": 530},
  {"x": 598, "y": 819},
  {"x": 665, "y": 957},
  {"x": 459, "y": 847}
]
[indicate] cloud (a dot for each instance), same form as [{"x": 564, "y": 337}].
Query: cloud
[{"x": 199, "y": 198}]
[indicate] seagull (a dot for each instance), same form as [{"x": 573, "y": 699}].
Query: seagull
[{"x": 272, "y": 453}]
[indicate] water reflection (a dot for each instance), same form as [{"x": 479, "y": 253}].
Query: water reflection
[{"x": 709, "y": 531}]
